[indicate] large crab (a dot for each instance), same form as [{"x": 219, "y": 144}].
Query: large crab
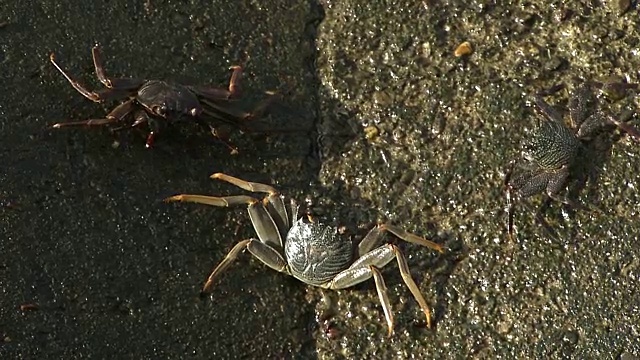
[
  {"x": 553, "y": 153},
  {"x": 310, "y": 251},
  {"x": 158, "y": 103}
]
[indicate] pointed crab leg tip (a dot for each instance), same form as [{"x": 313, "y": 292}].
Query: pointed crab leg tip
[
  {"x": 216, "y": 176},
  {"x": 52, "y": 57},
  {"x": 56, "y": 126},
  {"x": 234, "y": 67},
  {"x": 206, "y": 289},
  {"x": 173, "y": 198}
]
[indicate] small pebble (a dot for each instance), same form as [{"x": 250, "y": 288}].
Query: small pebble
[{"x": 463, "y": 49}]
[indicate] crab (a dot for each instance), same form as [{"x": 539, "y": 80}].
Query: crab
[
  {"x": 158, "y": 103},
  {"x": 554, "y": 152},
  {"x": 311, "y": 251}
]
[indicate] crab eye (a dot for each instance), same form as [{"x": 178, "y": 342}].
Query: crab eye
[
  {"x": 193, "y": 112},
  {"x": 160, "y": 110}
]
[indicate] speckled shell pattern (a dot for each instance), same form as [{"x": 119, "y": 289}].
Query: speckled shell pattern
[
  {"x": 553, "y": 146},
  {"x": 316, "y": 253}
]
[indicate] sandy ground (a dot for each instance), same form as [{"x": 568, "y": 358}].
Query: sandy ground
[{"x": 390, "y": 126}]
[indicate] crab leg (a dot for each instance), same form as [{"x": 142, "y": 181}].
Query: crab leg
[
  {"x": 360, "y": 271},
  {"x": 273, "y": 201},
  {"x": 540, "y": 217},
  {"x": 224, "y": 139},
  {"x": 234, "y": 82},
  {"x": 117, "y": 84},
  {"x": 225, "y": 201},
  {"x": 263, "y": 223},
  {"x": 408, "y": 237},
  {"x": 114, "y": 116},
  {"x": 216, "y": 100},
  {"x": 90, "y": 122},
  {"x": 547, "y": 110},
  {"x": 263, "y": 252},
  {"x": 245, "y": 185},
  {"x": 632, "y": 131},
  {"x": 99, "y": 68},
  {"x": 210, "y": 96},
  {"x": 615, "y": 87},
  {"x": 510, "y": 206},
  {"x": 262, "y": 106},
  {"x": 95, "y": 96},
  {"x": 142, "y": 118},
  {"x": 224, "y": 264},
  {"x": 381, "y": 289},
  {"x": 372, "y": 239},
  {"x": 223, "y": 111},
  {"x": 214, "y": 93}
]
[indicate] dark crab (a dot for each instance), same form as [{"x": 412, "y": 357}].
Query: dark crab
[
  {"x": 553, "y": 153},
  {"x": 158, "y": 103},
  {"x": 310, "y": 251}
]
